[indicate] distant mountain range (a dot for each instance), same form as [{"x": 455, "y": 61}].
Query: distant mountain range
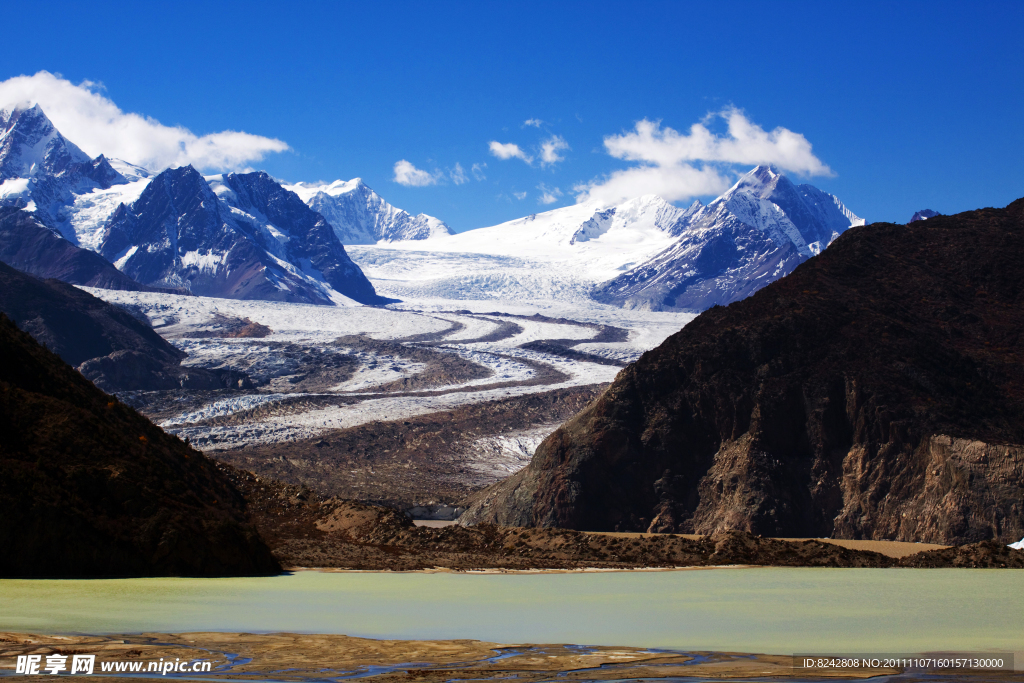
[
  {"x": 644, "y": 253},
  {"x": 232, "y": 235},
  {"x": 108, "y": 223},
  {"x": 762, "y": 228},
  {"x": 923, "y": 215}
]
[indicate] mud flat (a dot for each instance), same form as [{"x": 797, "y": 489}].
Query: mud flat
[{"x": 301, "y": 657}]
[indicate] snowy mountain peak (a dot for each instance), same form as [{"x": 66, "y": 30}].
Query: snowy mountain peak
[
  {"x": 757, "y": 231},
  {"x": 307, "y": 191},
  {"x": 760, "y": 182},
  {"x": 361, "y": 216},
  {"x": 30, "y": 145},
  {"x": 129, "y": 171},
  {"x": 233, "y": 235}
]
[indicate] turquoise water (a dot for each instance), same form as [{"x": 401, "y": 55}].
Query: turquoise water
[{"x": 769, "y": 610}]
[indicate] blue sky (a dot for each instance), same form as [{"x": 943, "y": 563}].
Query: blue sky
[{"x": 904, "y": 105}]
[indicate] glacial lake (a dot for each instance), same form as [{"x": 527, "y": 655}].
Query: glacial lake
[{"x": 763, "y": 610}]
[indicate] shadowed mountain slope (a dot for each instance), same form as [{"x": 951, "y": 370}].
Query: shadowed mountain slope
[
  {"x": 238, "y": 236},
  {"x": 28, "y": 245},
  {"x": 88, "y": 487},
  {"x": 106, "y": 343},
  {"x": 876, "y": 392},
  {"x": 756, "y": 232}
]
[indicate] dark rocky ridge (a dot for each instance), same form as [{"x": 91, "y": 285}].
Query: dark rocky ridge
[
  {"x": 88, "y": 487},
  {"x": 30, "y": 246},
  {"x": 107, "y": 344},
  {"x": 876, "y": 392}
]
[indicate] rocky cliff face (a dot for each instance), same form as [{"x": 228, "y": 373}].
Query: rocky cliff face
[
  {"x": 876, "y": 392},
  {"x": 88, "y": 487},
  {"x": 310, "y": 237}
]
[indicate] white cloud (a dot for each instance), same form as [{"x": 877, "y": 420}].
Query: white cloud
[
  {"x": 98, "y": 126},
  {"x": 665, "y": 159},
  {"x": 536, "y": 123},
  {"x": 410, "y": 176},
  {"x": 458, "y": 175},
  {"x": 478, "y": 171},
  {"x": 550, "y": 148},
  {"x": 674, "y": 183},
  {"x": 548, "y": 195},
  {"x": 509, "y": 150},
  {"x": 519, "y": 195}
]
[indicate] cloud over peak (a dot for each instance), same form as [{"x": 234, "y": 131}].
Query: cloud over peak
[
  {"x": 94, "y": 123},
  {"x": 666, "y": 159}
]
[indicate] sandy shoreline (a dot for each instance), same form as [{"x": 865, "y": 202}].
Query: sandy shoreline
[
  {"x": 895, "y": 549},
  {"x": 499, "y": 570}
]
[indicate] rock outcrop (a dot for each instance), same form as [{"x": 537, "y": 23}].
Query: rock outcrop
[
  {"x": 88, "y": 487},
  {"x": 876, "y": 392}
]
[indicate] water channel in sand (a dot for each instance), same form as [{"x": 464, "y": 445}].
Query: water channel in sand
[{"x": 768, "y": 610}]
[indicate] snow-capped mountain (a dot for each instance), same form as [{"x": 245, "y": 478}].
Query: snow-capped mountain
[
  {"x": 643, "y": 253},
  {"x": 361, "y": 216},
  {"x": 44, "y": 172},
  {"x": 239, "y": 236},
  {"x": 233, "y": 235},
  {"x": 31, "y": 146},
  {"x": 758, "y": 231}
]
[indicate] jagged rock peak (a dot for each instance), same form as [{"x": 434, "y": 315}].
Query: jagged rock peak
[{"x": 30, "y": 145}]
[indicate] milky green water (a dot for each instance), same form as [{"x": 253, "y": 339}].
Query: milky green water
[{"x": 772, "y": 610}]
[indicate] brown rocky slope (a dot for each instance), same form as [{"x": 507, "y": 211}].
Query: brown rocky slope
[
  {"x": 876, "y": 392},
  {"x": 88, "y": 487},
  {"x": 305, "y": 529}
]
